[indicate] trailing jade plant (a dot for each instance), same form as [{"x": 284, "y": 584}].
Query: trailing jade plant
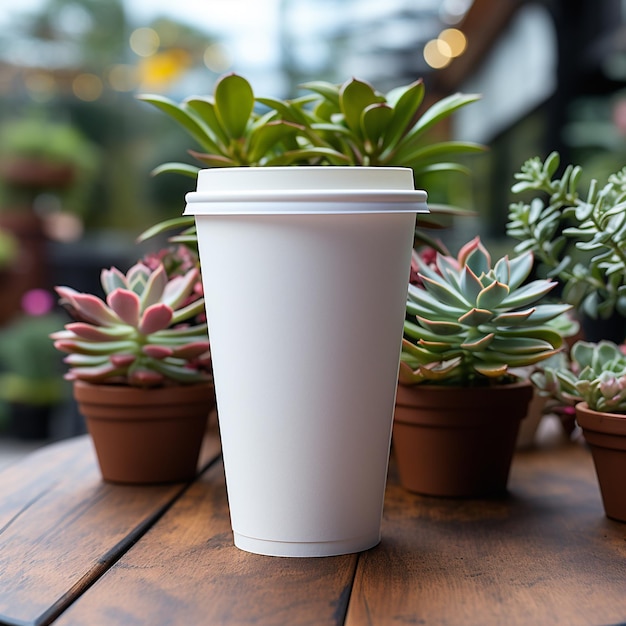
[
  {"x": 579, "y": 239},
  {"x": 347, "y": 124},
  {"x": 595, "y": 373},
  {"x": 470, "y": 323},
  {"x": 144, "y": 333}
]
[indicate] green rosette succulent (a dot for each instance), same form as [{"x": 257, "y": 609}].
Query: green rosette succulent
[
  {"x": 595, "y": 374},
  {"x": 470, "y": 323},
  {"x": 144, "y": 334}
]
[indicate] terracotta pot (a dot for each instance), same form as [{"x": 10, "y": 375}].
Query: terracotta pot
[
  {"x": 29, "y": 270},
  {"x": 35, "y": 173},
  {"x": 456, "y": 441},
  {"x": 606, "y": 435},
  {"x": 146, "y": 435}
]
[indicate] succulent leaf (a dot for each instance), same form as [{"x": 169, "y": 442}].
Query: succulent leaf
[
  {"x": 126, "y": 305},
  {"x": 112, "y": 279},
  {"x": 192, "y": 350},
  {"x": 94, "y": 333},
  {"x": 184, "y": 169},
  {"x": 462, "y": 312},
  {"x": 404, "y": 101},
  {"x": 94, "y": 373},
  {"x": 154, "y": 288},
  {"x": 439, "y": 111},
  {"x": 439, "y": 327},
  {"x": 492, "y": 370},
  {"x": 234, "y": 103},
  {"x": 559, "y": 223},
  {"x": 492, "y": 296},
  {"x": 93, "y": 309},
  {"x": 468, "y": 284},
  {"x": 188, "y": 121},
  {"x": 354, "y": 97},
  {"x": 94, "y": 348},
  {"x": 178, "y": 288},
  {"x": 476, "y": 317},
  {"x": 445, "y": 293},
  {"x": 528, "y": 293},
  {"x": 205, "y": 109},
  {"x": 141, "y": 339},
  {"x": 156, "y": 317},
  {"x": 157, "y": 352},
  {"x": 374, "y": 122},
  {"x": 595, "y": 374},
  {"x": 478, "y": 343}
]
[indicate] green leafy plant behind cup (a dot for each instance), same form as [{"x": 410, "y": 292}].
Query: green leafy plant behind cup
[{"x": 348, "y": 124}]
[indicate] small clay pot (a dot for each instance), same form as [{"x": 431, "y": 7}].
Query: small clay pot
[
  {"x": 458, "y": 441},
  {"x": 606, "y": 435},
  {"x": 146, "y": 435}
]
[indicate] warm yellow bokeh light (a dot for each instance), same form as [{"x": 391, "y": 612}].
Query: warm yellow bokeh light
[
  {"x": 455, "y": 39},
  {"x": 162, "y": 69},
  {"x": 217, "y": 58},
  {"x": 144, "y": 41},
  {"x": 87, "y": 87},
  {"x": 443, "y": 48},
  {"x": 123, "y": 77},
  {"x": 437, "y": 54},
  {"x": 40, "y": 85}
]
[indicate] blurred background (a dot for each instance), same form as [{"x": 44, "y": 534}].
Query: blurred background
[{"x": 77, "y": 148}]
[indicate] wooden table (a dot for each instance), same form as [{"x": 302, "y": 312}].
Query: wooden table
[{"x": 77, "y": 551}]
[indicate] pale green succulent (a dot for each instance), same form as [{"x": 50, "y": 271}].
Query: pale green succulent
[
  {"x": 470, "y": 323},
  {"x": 581, "y": 241},
  {"x": 595, "y": 374}
]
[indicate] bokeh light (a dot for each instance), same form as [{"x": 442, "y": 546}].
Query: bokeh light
[
  {"x": 123, "y": 77},
  {"x": 87, "y": 87},
  {"x": 217, "y": 58},
  {"x": 41, "y": 86},
  {"x": 437, "y": 54},
  {"x": 37, "y": 302},
  {"x": 144, "y": 41},
  {"x": 455, "y": 39}
]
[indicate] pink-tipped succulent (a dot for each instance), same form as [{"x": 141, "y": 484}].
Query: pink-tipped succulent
[
  {"x": 143, "y": 334},
  {"x": 595, "y": 374}
]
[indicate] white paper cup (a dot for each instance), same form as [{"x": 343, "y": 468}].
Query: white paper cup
[{"x": 305, "y": 273}]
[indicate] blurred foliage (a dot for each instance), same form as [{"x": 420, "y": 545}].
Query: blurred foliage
[
  {"x": 70, "y": 40},
  {"x": 31, "y": 370}
]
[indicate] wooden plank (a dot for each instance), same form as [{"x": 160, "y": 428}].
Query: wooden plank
[
  {"x": 61, "y": 526},
  {"x": 544, "y": 555},
  {"x": 186, "y": 571}
]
